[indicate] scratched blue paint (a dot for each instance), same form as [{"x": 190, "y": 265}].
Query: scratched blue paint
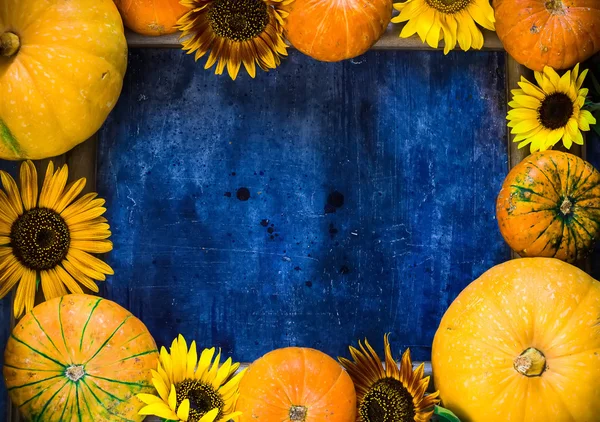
[{"x": 414, "y": 141}]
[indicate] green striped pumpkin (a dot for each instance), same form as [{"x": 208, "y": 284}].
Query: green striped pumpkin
[{"x": 79, "y": 358}]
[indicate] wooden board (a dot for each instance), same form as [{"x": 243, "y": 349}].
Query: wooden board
[{"x": 389, "y": 41}]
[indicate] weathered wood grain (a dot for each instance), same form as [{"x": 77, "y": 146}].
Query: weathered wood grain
[{"x": 389, "y": 41}]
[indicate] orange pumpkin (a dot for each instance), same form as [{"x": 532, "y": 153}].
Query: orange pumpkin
[
  {"x": 555, "y": 33},
  {"x": 151, "y": 17},
  {"x": 549, "y": 206},
  {"x": 522, "y": 344},
  {"x": 296, "y": 384},
  {"x": 79, "y": 358},
  {"x": 331, "y": 31}
]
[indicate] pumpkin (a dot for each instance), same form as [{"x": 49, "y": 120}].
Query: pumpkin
[
  {"x": 151, "y": 17},
  {"x": 522, "y": 343},
  {"x": 296, "y": 384},
  {"x": 331, "y": 31},
  {"x": 61, "y": 71},
  {"x": 555, "y": 33},
  {"x": 549, "y": 206},
  {"x": 79, "y": 358}
]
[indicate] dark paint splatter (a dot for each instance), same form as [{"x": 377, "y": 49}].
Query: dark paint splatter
[
  {"x": 243, "y": 194},
  {"x": 264, "y": 223},
  {"x": 344, "y": 269},
  {"x": 227, "y": 194},
  {"x": 297, "y": 268},
  {"x": 308, "y": 283},
  {"x": 332, "y": 230},
  {"x": 270, "y": 230},
  {"x": 335, "y": 200}
]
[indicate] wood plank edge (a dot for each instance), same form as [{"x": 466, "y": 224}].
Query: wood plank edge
[{"x": 389, "y": 41}]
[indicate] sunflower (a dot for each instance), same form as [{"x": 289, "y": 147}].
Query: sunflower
[
  {"x": 49, "y": 239},
  {"x": 235, "y": 32},
  {"x": 450, "y": 20},
  {"x": 544, "y": 114},
  {"x": 190, "y": 389},
  {"x": 388, "y": 394}
]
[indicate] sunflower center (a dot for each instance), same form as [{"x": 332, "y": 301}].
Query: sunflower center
[
  {"x": 448, "y": 6},
  {"x": 387, "y": 401},
  {"x": 40, "y": 239},
  {"x": 556, "y": 110},
  {"x": 203, "y": 398},
  {"x": 238, "y": 20}
]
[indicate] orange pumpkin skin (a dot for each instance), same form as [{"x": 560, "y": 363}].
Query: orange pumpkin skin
[
  {"x": 540, "y": 303},
  {"x": 151, "y": 17},
  {"x": 555, "y": 33},
  {"x": 549, "y": 206},
  {"x": 296, "y": 384},
  {"x": 112, "y": 350},
  {"x": 331, "y": 31}
]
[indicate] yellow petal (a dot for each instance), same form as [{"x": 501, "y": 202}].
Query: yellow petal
[
  {"x": 159, "y": 409},
  {"x": 80, "y": 276},
  {"x": 222, "y": 374},
  {"x": 52, "y": 286},
  {"x": 210, "y": 416},
  {"x": 424, "y": 23},
  {"x": 71, "y": 192},
  {"x": 552, "y": 77},
  {"x": 29, "y": 185},
  {"x": 586, "y": 119},
  {"x": 564, "y": 84},
  {"x": 161, "y": 389},
  {"x": 93, "y": 246},
  {"x": 525, "y": 126},
  {"x": 66, "y": 278},
  {"x": 532, "y": 90},
  {"x": 90, "y": 261},
  {"x": 148, "y": 398},
  {"x": 173, "y": 398},
  {"x": 205, "y": 360},
  {"x": 192, "y": 361},
  {"x": 25, "y": 296},
  {"x": 55, "y": 188},
  {"x": 12, "y": 192},
  {"x": 184, "y": 410}
]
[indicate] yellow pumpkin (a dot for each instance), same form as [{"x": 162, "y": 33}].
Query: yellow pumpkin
[
  {"x": 61, "y": 72},
  {"x": 522, "y": 343}
]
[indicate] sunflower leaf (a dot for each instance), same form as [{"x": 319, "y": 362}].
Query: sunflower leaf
[{"x": 445, "y": 415}]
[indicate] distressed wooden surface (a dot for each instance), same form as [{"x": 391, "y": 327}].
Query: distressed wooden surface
[
  {"x": 389, "y": 41},
  {"x": 415, "y": 143}
]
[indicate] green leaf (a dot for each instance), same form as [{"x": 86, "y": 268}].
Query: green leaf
[{"x": 445, "y": 415}]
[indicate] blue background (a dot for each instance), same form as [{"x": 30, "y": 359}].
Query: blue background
[{"x": 414, "y": 142}]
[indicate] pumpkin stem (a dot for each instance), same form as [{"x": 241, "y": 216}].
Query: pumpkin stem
[
  {"x": 555, "y": 7},
  {"x": 75, "y": 372},
  {"x": 9, "y": 44},
  {"x": 531, "y": 363},
  {"x": 565, "y": 208},
  {"x": 298, "y": 413}
]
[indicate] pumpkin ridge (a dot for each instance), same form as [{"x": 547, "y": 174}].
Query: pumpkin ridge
[
  {"x": 545, "y": 230},
  {"x": 587, "y": 190},
  {"x": 102, "y": 404},
  {"x": 41, "y": 93},
  {"x": 147, "y": 352},
  {"x": 569, "y": 16},
  {"x": 108, "y": 339},
  {"x": 324, "y": 396},
  {"x": 66, "y": 403},
  {"x": 77, "y": 401},
  {"x": 134, "y": 384},
  {"x": 580, "y": 182},
  {"x": 44, "y": 331},
  {"x": 87, "y": 321},
  {"x": 532, "y": 191},
  {"x": 39, "y": 416},
  {"x": 552, "y": 184},
  {"x": 62, "y": 331},
  {"x": 15, "y": 387},
  {"x": 18, "y": 340},
  {"x": 8, "y": 139},
  {"x": 103, "y": 390},
  {"x": 560, "y": 239},
  {"x": 30, "y": 369}
]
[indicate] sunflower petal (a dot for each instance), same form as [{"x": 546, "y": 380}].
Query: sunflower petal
[
  {"x": 183, "y": 412},
  {"x": 70, "y": 193},
  {"x": 210, "y": 416},
  {"x": 148, "y": 398},
  {"x": 29, "y": 185},
  {"x": 12, "y": 192},
  {"x": 159, "y": 409}
]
